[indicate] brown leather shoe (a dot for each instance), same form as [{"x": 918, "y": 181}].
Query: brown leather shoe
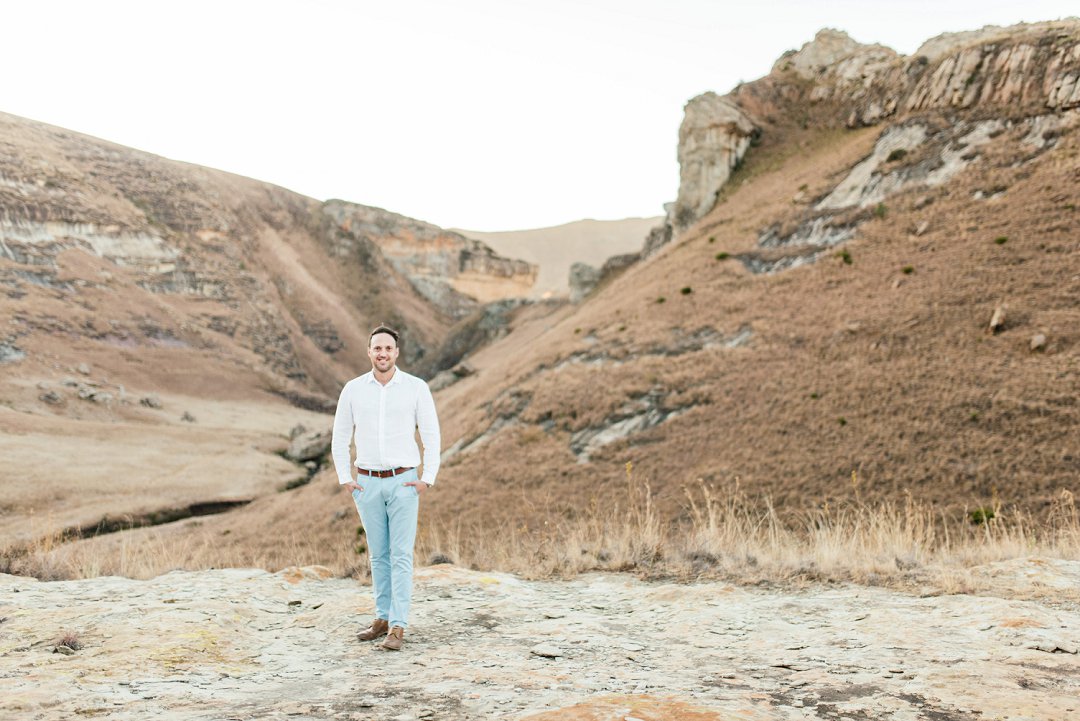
[
  {"x": 377, "y": 628},
  {"x": 394, "y": 639}
]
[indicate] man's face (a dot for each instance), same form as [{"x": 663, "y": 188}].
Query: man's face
[{"x": 383, "y": 352}]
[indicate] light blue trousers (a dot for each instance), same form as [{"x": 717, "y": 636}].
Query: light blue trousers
[{"x": 388, "y": 511}]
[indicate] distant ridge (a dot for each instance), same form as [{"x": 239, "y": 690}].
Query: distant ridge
[{"x": 556, "y": 248}]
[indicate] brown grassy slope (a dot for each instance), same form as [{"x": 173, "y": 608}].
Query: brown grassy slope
[
  {"x": 257, "y": 268},
  {"x": 264, "y": 299},
  {"x": 931, "y": 403}
]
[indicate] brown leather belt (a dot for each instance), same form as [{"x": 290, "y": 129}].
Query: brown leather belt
[{"x": 382, "y": 474}]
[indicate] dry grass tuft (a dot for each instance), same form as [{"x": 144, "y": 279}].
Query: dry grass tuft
[
  {"x": 723, "y": 534},
  {"x": 727, "y": 535},
  {"x": 70, "y": 639}
]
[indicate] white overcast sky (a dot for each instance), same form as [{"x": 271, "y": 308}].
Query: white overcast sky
[{"x": 482, "y": 114}]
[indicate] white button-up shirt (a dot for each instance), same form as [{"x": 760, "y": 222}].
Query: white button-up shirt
[{"x": 385, "y": 418}]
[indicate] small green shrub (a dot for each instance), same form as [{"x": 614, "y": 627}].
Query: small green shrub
[
  {"x": 723, "y": 255},
  {"x": 980, "y": 516},
  {"x": 815, "y": 395},
  {"x": 897, "y": 154},
  {"x": 880, "y": 210},
  {"x": 842, "y": 421},
  {"x": 907, "y": 269},
  {"x": 686, "y": 290},
  {"x": 661, "y": 299},
  {"x": 712, "y": 238},
  {"x": 1001, "y": 239},
  {"x": 844, "y": 256}
]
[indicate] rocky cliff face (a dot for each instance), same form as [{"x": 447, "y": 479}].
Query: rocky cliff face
[
  {"x": 1024, "y": 71},
  {"x": 713, "y": 137},
  {"x": 453, "y": 272},
  {"x": 1017, "y": 71}
]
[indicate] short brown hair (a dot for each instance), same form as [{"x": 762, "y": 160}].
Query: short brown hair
[{"x": 389, "y": 331}]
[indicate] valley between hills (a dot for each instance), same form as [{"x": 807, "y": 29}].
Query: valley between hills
[
  {"x": 809, "y": 449},
  {"x": 864, "y": 293}
]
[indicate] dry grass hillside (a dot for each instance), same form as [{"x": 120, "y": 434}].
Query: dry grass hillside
[
  {"x": 165, "y": 325},
  {"x": 882, "y": 366}
]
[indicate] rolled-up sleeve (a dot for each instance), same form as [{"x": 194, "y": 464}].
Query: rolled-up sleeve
[{"x": 427, "y": 421}]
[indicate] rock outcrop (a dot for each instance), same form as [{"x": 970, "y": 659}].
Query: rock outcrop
[
  {"x": 1027, "y": 70},
  {"x": 583, "y": 278},
  {"x": 476, "y": 330},
  {"x": 833, "y": 53},
  {"x": 454, "y": 272},
  {"x": 713, "y": 138},
  {"x": 1020, "y": 70},
  {"x": 244, "y": 643}
]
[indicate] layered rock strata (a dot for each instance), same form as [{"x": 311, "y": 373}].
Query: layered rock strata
[
  {"x": 1015, "y": 72},
  {"x": 454, "y": 272}
]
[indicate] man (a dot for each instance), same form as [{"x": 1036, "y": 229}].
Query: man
[{"x": 385, "y": 407}]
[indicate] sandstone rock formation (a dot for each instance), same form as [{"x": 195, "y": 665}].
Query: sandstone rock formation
[
  {"x": 714, "y": 136},
  {"x": 833, "y": 53},
  {"x": 453, "y": 272},
  {"x": 1027, "y": 70}
]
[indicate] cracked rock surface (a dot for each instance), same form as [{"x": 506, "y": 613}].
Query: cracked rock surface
[{"x": 248, "y": 644}]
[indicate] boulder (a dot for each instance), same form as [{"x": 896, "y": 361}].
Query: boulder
[
  {"x": 997, "y": 321},
  {"x": 51, "y": 397},
  {"x": 583, "y": 278},
  {"x": 713, "y": 138},
  {"x": 309, "y": 446}
]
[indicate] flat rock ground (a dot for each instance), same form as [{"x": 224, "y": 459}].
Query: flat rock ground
[{"x": 248, "y": 644}]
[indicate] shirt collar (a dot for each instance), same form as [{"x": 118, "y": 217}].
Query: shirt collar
[{"x": 370, "y": 376}]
